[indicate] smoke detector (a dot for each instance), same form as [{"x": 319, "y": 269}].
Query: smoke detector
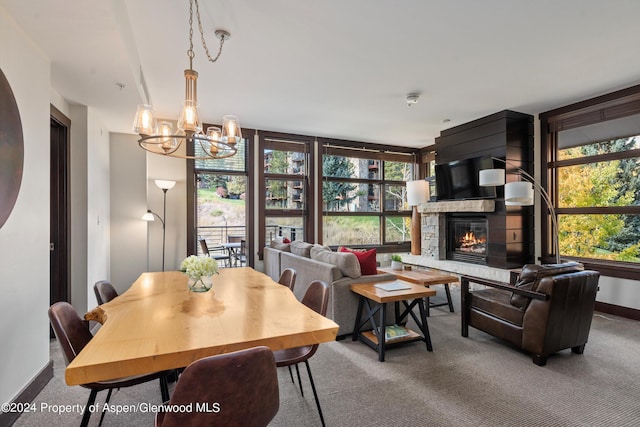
[{"x": 412, "y": 98}]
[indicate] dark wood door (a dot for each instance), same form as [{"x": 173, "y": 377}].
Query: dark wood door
[{"x": 59, "y": 210}]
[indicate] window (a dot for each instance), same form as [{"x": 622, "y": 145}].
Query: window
[
  {"x": 363, "y": 196},
  {"x": 285, "y": 180},
  {"x": 221, "y": 195},
  {"x": 592, "y": 162}
]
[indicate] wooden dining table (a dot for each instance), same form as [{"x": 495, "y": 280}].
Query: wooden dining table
[{"x": 158, "y": 324}]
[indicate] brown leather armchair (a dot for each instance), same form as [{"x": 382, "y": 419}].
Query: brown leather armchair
[{"x": 548, "y": 309}]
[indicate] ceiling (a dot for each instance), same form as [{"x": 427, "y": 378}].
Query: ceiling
[{"x": 335, "y": 68}]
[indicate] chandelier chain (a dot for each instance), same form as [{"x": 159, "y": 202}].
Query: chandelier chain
[{"x": 204, "y": 43}]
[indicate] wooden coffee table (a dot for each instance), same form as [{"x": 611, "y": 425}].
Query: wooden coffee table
[
  {"x": 426, "y": 278},
  {"x": 368, "y": 292}
]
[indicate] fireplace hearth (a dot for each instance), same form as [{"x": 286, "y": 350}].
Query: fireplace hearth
[{"x": 467, "y": 238}]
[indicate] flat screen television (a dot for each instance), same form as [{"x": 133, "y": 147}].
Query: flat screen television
[{"x": 458, "y": 180}]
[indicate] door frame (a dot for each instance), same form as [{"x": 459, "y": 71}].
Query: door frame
[{"x": 60, "y": 261}]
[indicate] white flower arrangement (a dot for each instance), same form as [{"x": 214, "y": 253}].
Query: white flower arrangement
[{"x": 198, "y": 266}]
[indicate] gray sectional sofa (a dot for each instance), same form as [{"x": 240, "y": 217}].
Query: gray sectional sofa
[{"x": 315, "y": 262}]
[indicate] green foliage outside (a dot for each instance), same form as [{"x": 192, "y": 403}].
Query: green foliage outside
[
  {"x": 351, "y": 230},
  {"x": 612, "y": 183},
  {"x": 336, "y": 194}
]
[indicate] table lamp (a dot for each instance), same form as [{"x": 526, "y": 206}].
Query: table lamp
[{"x": 417, "y": 193}]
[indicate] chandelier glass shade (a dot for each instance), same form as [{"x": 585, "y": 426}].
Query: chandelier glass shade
[{"x": 160, "y": 137}]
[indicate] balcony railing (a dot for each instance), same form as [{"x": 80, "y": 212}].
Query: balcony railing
[
  {"x": 217, "y": 234},
  {"x": 289, "y": 231}
]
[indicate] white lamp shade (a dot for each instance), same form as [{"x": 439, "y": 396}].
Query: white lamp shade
[
  {"x": 148, "y": 216},
  {"x": 491, "y": 177},
  {"x": 417, "y": 192},
  {"x": 165, "y": 184},
  {"x": 519, "y": 193}
]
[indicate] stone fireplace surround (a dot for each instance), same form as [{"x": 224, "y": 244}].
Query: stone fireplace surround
[{"x": 433, "y": 239}]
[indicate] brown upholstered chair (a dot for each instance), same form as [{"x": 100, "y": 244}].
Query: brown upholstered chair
[
  {"x": 548, "y": 309},
  {"x": 240, "y": 389},
  {"x": 73, "y": 334},
  {"x": 317, "y": 299},
  {"x": 288, "y": 278},
  {"x": 104, "y": 291}
]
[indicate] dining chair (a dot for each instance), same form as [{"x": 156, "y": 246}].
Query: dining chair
[
  {"x": 73, "y": 335},
  {"x": 231, "y": 389},
  {"x": 288, "y": 278},
  {"x": 104, "y": 291},
  {"x": 238, "y": 253},
  {"x": 214, "y": 252},
  {"x": 316, "y": 298}
]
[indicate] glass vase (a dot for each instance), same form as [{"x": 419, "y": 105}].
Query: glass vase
[{"x": 200, "y": 284}]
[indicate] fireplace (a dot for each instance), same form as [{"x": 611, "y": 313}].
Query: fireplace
[{"x": 467, "y": 238}]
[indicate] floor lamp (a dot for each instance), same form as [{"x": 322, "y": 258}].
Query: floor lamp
[
  {"x": 521, "y": 193},
  {"x": 164, "y": 185},
  {"x": 417, "y": 193}
]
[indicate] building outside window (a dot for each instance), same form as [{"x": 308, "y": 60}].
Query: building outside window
[{"x": 364, "y": 197}]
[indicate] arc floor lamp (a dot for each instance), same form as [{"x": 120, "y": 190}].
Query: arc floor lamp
[
  {"x": 164, "y": 185},
  {"x": 521, "y": 193}
]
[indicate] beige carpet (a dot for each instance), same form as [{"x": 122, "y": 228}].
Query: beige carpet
[{"x": 475, "y": 381}]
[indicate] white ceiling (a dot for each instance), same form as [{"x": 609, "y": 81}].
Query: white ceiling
[{"x": 336, "y": 68}]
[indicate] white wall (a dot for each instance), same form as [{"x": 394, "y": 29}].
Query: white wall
[
  {"x": 24, "y": 238},
  {"x": 174, "y": 169},
  {"x": 78, "y": 200},
  {"x": 128, "y": 204},
  {"x": 98, "y": 196}
]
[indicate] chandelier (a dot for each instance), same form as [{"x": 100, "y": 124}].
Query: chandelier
[{"x": 160, "y": 137}]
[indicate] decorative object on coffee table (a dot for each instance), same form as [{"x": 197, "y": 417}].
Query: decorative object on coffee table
[{"x": 396, "y": 262}]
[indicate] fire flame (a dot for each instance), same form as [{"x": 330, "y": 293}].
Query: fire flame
[{"x": 469, "y": 239}]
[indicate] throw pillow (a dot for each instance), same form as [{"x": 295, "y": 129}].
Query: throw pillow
[
  {"x": 286, "y": 240},
  {"x": 347, "y": 263},
  {"x": 366, "y": 259},
  {"x": 531, "y": 273},
  {"x": 300, "y": 248},
  {"x": 280, "y": 246}
]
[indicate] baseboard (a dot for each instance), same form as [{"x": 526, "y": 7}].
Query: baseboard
[
  {"x": 28, "y": 393},
  {"x": 629, "y": 313}
]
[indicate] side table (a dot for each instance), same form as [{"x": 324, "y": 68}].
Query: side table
[
  {"x": 410, "y": 297},
  {"x": 426, "y": 278}
]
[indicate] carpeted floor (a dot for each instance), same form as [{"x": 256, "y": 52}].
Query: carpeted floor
[{"x": 475, "y": 381}]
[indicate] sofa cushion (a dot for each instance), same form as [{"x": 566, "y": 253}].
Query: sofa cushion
[
  {"x": 280, "y": 246},
  {"x": 300, "y": 248},
  {"x": 366, "y": 259},
  {"x": 530, "y": 274},
  {"x": 345, "y": 261}
]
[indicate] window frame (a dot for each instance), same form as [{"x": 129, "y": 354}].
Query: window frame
[
  {"x": 285, "y": 142},
  {"x": 615, "y": 105},
  {"x": 366, "y": 152},
  {"x": 192, "y": 185}
]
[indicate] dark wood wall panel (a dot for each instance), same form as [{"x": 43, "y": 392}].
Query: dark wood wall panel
[{"x": 505, "y": 135}]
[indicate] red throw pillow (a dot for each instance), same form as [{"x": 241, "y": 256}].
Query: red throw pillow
[
  {"x": 367, "y": 260},
  {"x": 285, "y": 240}
]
